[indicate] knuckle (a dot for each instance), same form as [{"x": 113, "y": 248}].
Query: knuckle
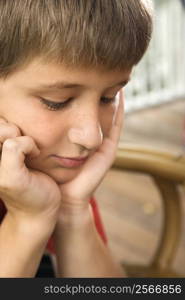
[
  {"x": 8, "y": 131},
  {"x": 15, "y": 130},
  {"x": 10, "y": 144}
]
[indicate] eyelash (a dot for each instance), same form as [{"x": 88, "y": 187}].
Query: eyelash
[{"x": 60, "y": 105}]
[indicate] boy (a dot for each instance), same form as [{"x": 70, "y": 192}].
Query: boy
[{"x": 62, "y": 63}]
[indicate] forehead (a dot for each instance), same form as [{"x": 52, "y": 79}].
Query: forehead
[{"x": 55, "y": 76}]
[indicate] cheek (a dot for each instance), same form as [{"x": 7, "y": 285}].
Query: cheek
[
  {"x": 44, "y": 135},
  {"x": 33, "y": 121},
  {"x": 44, "y": 132}
]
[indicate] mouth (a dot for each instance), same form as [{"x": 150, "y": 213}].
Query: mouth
[{"x": 70, "y": 162}]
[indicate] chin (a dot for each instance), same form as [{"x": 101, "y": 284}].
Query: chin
[{"x": 62, "y": 176}]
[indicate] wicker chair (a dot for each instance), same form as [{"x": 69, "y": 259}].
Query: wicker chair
[{"x": 168, "y": 172}]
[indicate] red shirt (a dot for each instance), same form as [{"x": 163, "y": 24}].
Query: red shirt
[{"x": 97, "y": 220}]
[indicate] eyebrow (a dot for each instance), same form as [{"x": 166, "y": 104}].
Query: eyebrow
[{"x": 59, "y": 85}]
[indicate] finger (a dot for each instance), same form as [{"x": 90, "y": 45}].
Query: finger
[
  {"x": 14, "y": 151},
  {"x": 8, "y": 130},
  {"x": 118, "y": 122},
  {"x": 109, "y": 145},
  {"x": 3, "y": 121}
]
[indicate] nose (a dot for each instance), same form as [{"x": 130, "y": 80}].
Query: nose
[{"x": 87, "y": 133}]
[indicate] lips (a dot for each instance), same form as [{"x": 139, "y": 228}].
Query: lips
[
  {"x": 74, "y": 158},
  {"x": 69, "y": 162}
]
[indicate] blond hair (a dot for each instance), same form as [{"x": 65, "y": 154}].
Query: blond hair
[{"x": 113, "y": 34}]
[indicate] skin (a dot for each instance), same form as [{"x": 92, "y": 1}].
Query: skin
[
  {"x": 76, "y": 130},
  {"x": 86, "y": 126}
]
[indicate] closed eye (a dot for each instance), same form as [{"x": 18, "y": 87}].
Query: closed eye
[
  {"x": 107, "y": 100},
  {"x": 52, "y": 105}
]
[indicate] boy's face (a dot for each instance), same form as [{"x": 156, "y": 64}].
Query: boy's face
[{"x": 74, "y": 130}]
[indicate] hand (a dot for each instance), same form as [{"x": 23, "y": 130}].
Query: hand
[
  {"x": 76, "y": 193},
  {"x": 25, "y": 192}
]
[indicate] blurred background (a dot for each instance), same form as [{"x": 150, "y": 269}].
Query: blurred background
[{"x": 129, "y": 203}]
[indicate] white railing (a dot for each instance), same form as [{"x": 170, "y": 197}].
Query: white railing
[{"x": 160, "y": 76}]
